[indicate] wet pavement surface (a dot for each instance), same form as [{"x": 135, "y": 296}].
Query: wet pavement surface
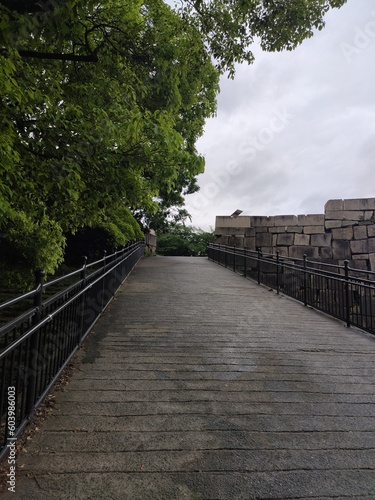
[{"x": 199, "y": 384}]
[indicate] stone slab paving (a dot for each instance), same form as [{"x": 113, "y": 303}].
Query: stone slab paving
[{"x": 199, "y": 384}]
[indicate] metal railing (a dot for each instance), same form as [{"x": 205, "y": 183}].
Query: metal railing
[
  {"x": 37, "y": 345},
  {"x": 340, "y": 291}
]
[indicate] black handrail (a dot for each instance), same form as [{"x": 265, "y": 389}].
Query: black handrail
[
  {"x": 340, "y": 291},
  {"x": 37, "y": 345}
]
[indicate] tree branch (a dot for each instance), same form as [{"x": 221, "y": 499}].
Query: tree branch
[{"x": 61, "y": 57}]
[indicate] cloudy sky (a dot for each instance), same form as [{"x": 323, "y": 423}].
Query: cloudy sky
[{"x": 294, "y": 129}]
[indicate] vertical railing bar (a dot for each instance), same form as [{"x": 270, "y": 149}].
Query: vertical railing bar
[
  {"x": 347, "y": 293},
  {"x": 245, "y": 262},
  {"x": 304, "y": 279},
  {"x": 259, "y": 257},
  {"x": 34, "y": 347},
  {"x": 277, "y": 272}
]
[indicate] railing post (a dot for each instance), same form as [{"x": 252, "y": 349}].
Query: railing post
[
  {"x": 33, "y": 367},
  {"x": 234, "y": 258},
  {"x": 245, "y": 262},
  {"x": 103, "y": 277},
  {"x": 347, "y": 293},
  {"x": 83, "y": 271},
  {"x": 259, "y": 257},
  {"x": 304, "y": 279},
  {"x": 277, "y": 272},
  {"x": 225, "y": 256},
  {"x": 83, "y": 299}
]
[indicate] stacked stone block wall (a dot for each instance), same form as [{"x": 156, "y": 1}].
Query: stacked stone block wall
[
  {"x": 150, "y": 239},
  {"x": 346, "y": 231}
]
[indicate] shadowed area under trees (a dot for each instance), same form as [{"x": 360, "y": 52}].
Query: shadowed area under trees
[{"x": 102, "y": 105}]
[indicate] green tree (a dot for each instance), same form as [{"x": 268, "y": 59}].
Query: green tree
[
  {"x": 102, "y": 105},
  {"x": 84, "y": 142},
  {"x": 230, "y": 28},
  {"x": 179, "y": 239}
]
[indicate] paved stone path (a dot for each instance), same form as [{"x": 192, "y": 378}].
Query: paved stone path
[{"x": 199, "y": 384}]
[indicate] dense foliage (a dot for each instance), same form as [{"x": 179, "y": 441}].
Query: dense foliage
[
  {"x": 183, "y": 240},
  {"x": 84, "y": 144},
  {"x": 230, "y": 27},
  {"x": 102, "y": 105}
]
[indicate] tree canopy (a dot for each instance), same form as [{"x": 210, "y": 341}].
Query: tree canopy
[
  {"x": 231, "y": 27},
  {"x": 102, "y": 105},
  {"x": 183, "y": 241}
]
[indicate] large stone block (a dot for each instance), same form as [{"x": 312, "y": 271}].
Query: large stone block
[
  {"x": 286, "y": 220},
  {"x": 313, "y": 229},
  {"x": 263, "y": 240},
  {"x": 249, "y": 242},
  {"x": 222, "y": 240},
  {"x": 360, "y": 232},
  {"x": 372, "y": 261},
  {"x": 371, "y": 231},
  {"x": 302, "y": 239},
  {"x": 227, "y": 221},
  {"x": 344, "y": 215},
  {"x": 286, "y": 239},
  {"x": 369, "y": 214},
  {"x": 267, "y": 250},
  {"x": 262, "y": 221},
  {"x": 294, "y": 229},
  {"x": 342, "y": 233},
  {"x": 330, "y": 224},
  {"x": 311, "y": 220},
  {"x": 249, "y": 231},
  {"x": 277, "y": 229},
  {"x": 360, "y": 256},
  {"x": 371, "y": 245},
  {"x": 321, "y": 240},
  {"x": 230, "y": 231},
  {"x": 236, "y": 241},
  {"x": 359, "y": 246},
  {"x": 326, "y": 252},
  {"x": 334, "y": 205},
  {"x": 360, "y": 264},
  {"x": 351, "y": 223},
  {"x": 297, "y": 252},
  {"x": 283, "y": 251},
  {"x": 341, "y": 249},
  {"x": 360, "y": 204}
]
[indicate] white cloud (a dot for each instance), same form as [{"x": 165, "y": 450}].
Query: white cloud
[{"x": 326, "y": 147}]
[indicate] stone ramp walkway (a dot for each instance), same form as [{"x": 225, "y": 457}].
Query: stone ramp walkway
[{"x": 199, "y": 384}]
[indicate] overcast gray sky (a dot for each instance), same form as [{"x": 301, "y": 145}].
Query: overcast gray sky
[{"x": 294, "y": 129}]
